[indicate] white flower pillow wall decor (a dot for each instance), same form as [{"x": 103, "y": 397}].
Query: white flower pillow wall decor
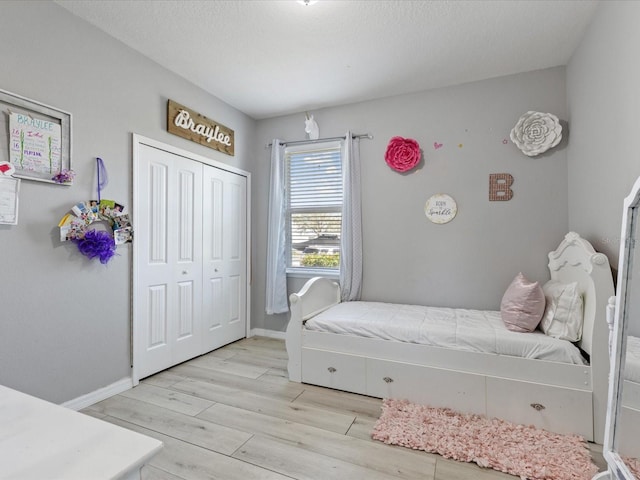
[{"x": 536, "y": 132}]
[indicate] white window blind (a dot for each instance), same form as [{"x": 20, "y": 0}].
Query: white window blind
[{"x": 314, "y": 189}]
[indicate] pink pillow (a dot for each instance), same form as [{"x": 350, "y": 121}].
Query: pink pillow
[{"x": 522, "y": 305}]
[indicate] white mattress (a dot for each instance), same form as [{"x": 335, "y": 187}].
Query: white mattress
[
  {"x": 632, "y": 364},
  {"x": 470, "y": 330}
]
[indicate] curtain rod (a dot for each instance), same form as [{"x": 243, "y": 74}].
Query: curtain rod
[{"x": 298, "y": 142}]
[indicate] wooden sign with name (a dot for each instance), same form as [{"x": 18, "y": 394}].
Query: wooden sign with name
[{"x": 186, "y": 123}]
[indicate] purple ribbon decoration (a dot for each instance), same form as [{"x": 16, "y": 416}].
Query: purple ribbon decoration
[{"x": 105, "y": 178}]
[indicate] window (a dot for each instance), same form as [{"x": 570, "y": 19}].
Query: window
[{"x": 313, "y": 176}]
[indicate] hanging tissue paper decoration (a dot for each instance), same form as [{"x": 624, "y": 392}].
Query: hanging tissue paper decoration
[
  {"x": 93, "y": 243},
  {"x": 311, "y": 127},
  {"x": 536, "y": 132},
  {"x": 97, "y": 243},
  {"x": 402, "y": 154}
]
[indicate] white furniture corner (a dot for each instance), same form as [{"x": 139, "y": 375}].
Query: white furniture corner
[
  {"x": 41, "y": 440},
  {"x": 622, "y": 436}
]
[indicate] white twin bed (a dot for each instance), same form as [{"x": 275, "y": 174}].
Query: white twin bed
[
  {"x": 480, "y": 331},
  {"x": 459, "y": 358}
]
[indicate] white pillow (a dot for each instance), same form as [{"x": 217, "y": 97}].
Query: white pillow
[{"x": 563, "y": 313}]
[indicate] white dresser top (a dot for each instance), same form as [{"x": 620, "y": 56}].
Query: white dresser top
[{"x": 40, "y": 440}]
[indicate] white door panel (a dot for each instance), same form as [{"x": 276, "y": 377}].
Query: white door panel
[
  {"x": 187, "y": 321},
  {"x": 169, "y": 236},
  {"x": 224, "y": 258},
  {"x": 235, "y": 255}
]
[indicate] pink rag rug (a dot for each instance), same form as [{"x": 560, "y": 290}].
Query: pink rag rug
[
  {"x": 525, "y": 451},
  {"x": 633, "y": 464}
]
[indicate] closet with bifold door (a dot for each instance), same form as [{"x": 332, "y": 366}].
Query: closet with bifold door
[{"x": 191, "y": 222}]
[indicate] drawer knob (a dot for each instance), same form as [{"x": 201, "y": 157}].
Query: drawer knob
[
  {"x": 331, "y": 369},
  {"x": 537, "y": 406},
  {"x": 388, "y": 379}
]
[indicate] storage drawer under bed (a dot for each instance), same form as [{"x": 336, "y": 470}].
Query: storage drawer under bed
[
  {"x": 334, "y": 370},
  {"x": 436, "y": 387},
  {"x": 561, "y": 410}
]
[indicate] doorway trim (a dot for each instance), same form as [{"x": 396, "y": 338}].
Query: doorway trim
[{"x": 137, "y": 141}]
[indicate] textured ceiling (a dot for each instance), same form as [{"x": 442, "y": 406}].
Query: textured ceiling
[{"x": 269, "y": 58}]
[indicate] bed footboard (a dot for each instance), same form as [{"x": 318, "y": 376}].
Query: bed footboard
[{"x": 317, "y": 295}]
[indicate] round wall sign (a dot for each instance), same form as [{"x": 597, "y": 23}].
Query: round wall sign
[{"x": 440, "y": 208}]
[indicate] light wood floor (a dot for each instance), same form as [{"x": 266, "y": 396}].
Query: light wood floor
[{"x": 233, "y": 415}]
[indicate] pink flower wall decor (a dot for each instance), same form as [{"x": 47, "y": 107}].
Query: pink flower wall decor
[{"x": 402, "y": 154}]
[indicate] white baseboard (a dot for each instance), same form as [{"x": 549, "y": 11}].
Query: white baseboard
[
  {"x": 98, "y": 395},
  {"x": 263, "y": 332},
  {"x": 127, "y": 382}
]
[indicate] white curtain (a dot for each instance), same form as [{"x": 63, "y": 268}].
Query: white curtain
[
  {"x": 351, "y": 238},
  {"x": 276, "y": 294}
]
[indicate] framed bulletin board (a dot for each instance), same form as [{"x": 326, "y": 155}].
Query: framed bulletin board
[{"x": 35, "y": 138}]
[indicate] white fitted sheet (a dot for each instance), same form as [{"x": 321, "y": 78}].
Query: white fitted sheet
[
  {"x": 462, "y": 329},
  {"x": 632, "y": 364}
]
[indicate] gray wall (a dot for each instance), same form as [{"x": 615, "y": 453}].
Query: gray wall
[
  {"x": 603, "y": 81},
  {"x": 470, "y": 261},
  {"x": 65, "y": 320}
]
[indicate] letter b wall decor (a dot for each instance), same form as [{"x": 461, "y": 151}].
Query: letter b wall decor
[{"x": 499, "y": 187}]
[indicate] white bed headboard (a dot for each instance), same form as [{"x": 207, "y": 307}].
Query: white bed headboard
[{"x": 575, "y": 260}]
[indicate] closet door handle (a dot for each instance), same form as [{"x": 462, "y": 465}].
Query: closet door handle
[
  {"x": 388, "y": 379},
  {"x": 331, "y": 370},
  {"x": 537, "y": 406}
]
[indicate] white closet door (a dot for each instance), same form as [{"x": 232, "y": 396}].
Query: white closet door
[
  {"x": 225, "y": 259},
  {"x": 169, "y": 260}
]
